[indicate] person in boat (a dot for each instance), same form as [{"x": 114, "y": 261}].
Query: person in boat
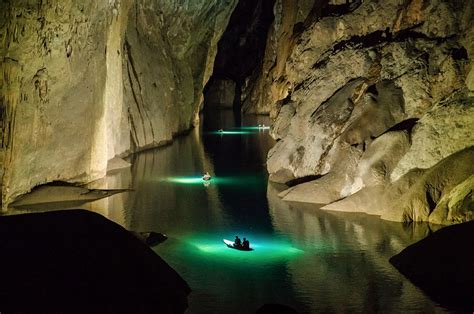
[
  {"x": 246, "y": 244},
  {"x": 237, "y": 242},
  {"x": 206, "y": 176}
]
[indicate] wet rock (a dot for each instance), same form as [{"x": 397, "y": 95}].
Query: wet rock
[
  {"x": 442, "y": 266},
  {"x": 151, "y": 238},
  {"x": 78, "y": 261}
]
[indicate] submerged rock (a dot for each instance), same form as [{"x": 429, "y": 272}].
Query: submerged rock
[
  {"x": 151, "y": 238},
  {"x": 78, "y": 261},
  {"x": 443, "y": 266}
]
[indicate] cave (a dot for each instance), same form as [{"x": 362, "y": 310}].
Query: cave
[{"x": 301, "y": 156}]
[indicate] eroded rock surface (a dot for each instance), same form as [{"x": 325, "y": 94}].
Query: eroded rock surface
[
  {"x": 366, "y": 92},
  {"x": 84, "y": 81}
]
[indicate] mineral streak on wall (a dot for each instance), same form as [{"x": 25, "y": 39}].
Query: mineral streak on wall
[{"x": 84, "y": 81}]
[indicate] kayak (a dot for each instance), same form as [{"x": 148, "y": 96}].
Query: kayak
[{"x": 230, "y": 244}]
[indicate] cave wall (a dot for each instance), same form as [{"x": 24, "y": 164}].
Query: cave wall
[
  {"x": 240, "y": 53},
  {"x": 82, "y": 82},
  {"x": 363, "y": 93},
  {"x": 170, "y": 47}
]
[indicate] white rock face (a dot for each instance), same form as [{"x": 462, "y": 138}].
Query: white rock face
[
  {"x": 441, "y": 194},
  {"x": 170, "y": 47},
  {"x": 61, "y": 91},
  {"x": 444, "y": 130},
  {"x": 378, "y": 161},
  {"x": 84, "y": 81},
  {"x": 382, "y": 87}
]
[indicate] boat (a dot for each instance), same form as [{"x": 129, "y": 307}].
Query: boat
[{"x": 230, "y": 244}]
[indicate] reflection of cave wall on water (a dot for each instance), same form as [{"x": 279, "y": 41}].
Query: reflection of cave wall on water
[{"x": 368, "y": 270}]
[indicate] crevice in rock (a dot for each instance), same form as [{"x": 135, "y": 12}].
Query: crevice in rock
[
  {"x": 129, "y": 74},
  {"x": 430, "y": 201},
  {"x": 303, "y": 180},
  {"x": 322, "y": 9},
  {"x": 405, "y": 125},
  {"x": 378, "y": 38},
  {"x": 459, "y": 54},
  {"x": 141, "y": 103}
]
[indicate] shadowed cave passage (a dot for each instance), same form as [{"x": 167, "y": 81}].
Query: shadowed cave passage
[{"x": 240, "y": 53}]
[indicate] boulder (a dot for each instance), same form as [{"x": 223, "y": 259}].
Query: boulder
[
  {"x": 442, "y": 266},
  {"x": 77, "y": 261},
  {"x": 417, "y": 195}
]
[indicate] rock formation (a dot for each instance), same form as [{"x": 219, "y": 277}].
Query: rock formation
[
  {"x": 77, "y": 261},
  {"x": 240, "y": 53},
  {"x": 372, "y": 102},
  {"x": 83, "y": 82},
  {"x": 441, "y": 265},
  {"x": 362, "y": 93}
]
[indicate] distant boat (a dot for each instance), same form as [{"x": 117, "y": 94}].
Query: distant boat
[{"x": 230, "y": 244}]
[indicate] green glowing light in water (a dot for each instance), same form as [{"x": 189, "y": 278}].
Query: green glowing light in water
[
  {"x": 265, "y": 250},
  {"x": 231, "y": 132},
  {"x": 258, "y": 128},
  {"x": 185, "y": 180},
  {"x": 197, "y": 180}
]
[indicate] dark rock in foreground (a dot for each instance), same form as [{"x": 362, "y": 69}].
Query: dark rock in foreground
[
  {"x": 274, "y": 308},
  {"x": 78, "y": 261},
  {"x": 150, "y": 238},
  {"x": 443, "y": 266}
]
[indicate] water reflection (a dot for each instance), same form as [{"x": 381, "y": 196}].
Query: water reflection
[
  {"x": 345, "y": 266},
  {"x": 312, "y": 260}
]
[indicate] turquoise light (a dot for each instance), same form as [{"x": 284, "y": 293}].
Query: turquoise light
[
  {"x": 258, "y": 128},
  {"x": 185, "y": 180},
  {"x": 196, "y": 180},
  {"x": 266, "y": 250},
  {"x": 231, "y": 132}
]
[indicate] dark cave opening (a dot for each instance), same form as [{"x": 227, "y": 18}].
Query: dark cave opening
[{"x": 240, "y": 52}]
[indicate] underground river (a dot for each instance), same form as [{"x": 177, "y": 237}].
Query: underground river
[{"x": 314, "y": 261}]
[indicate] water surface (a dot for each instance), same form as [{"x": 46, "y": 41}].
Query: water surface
[{"x": 315, "y": 261}]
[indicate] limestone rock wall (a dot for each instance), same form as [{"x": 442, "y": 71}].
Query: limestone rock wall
[
  {"x": 60, "y": 84},
  {"x": 364, "y": 92},
  {"x": 84, "y": 81},
  {"x": 170, "y": 47}
]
